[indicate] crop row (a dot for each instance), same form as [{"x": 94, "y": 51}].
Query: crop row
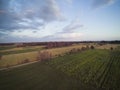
[{"x": 98, "y": 68}]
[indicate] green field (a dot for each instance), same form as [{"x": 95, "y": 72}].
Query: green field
[
  {"x": 6, "y": 47},
  {"x": 87, "y": 70},
  {"x": 16, "y": 50},
  {"x": 15, "y": 56},
  {"x": 12, "y": 55},
  {"x": 97, "y": 68}
]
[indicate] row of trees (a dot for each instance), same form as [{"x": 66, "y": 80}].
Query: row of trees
[
  {"x": 75, "y": 50},
  {"x": 58, "y": 44},
  {"x": 46, "y": 55},
  {"x": 47, "y": 44},
  {"x": 30, "y": 44}
]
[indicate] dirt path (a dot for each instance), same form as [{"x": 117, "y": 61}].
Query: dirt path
[{"x": 18, "y": 65}]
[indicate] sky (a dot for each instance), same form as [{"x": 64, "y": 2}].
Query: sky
[{"x": 59, "y": 20}]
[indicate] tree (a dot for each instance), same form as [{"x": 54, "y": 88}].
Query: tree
[
  {"x": 44, "y": 56},
  {"x": 111, "y": 48},
  {"x": 92, "y": 47},
  {"x": 0, "y": 57},
  {"x": 83, "y": 48},
  {"x": 26, "y": 60}
]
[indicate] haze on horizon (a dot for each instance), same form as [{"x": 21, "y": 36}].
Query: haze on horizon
[{"x": 59, "y": 20}]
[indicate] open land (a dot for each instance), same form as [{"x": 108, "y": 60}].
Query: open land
[{"x": 69, "y": 68}]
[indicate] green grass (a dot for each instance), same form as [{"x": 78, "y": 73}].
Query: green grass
[
  {"x": 97, "y": 68},
  {"x": 24, "y": 50},
  {"x": 87, "y": 70},
  {"x": 38, "y": 76},
  {"x": 6, "y": 47}
]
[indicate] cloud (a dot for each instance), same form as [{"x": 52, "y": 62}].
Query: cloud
[
  {"x": 101, "y": 3},
  {"x": 2, "y": 11},
  {"x": 28, "y": 14},
  {"x": 68, "y": 33},
  {"x": 74, "y": 25},
  {"x": 28, "y": 33},
  {"x": 69, "y": 1},
  {"x": 71, "y": 36}
]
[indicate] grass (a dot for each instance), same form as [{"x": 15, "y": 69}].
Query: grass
[
  {"x": 6, "y": 47},
  {"x": 38, "y": 76},
  {"x": 98, "y": 68},
  {"x": 88, "y": 70},
  {"x": 108, "y": 46},
  {"x": 8, "y": 60},
  {"x": 21, "y": 50},
  {"x": 17, "y": 55}
]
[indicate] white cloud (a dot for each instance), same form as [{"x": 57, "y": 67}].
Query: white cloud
[
  {"x": 101, "y": 3},
  {"x": 64, "y": 37},
  {"x": 19, "y": 12},
  {"x": 70, "y": 35},
  {"x": 28, "y": 33},
  {"x": 69, "y": 32},
  {"x": 43, "y": 36},
  {"x": 74, "y": 25},
  {"x": 69, "y": 1}
]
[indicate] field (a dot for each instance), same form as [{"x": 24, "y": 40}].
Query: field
[
  {"x": 13, "y": 56},
  {"x": 87, "y": 70},
  {"x": 97, "y": 68},
  {"x": 17, "y": 50}
]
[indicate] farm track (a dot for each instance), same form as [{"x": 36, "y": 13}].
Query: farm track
[{"x": 11, "y": 67}]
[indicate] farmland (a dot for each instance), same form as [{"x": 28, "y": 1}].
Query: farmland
[
  {"x": 59, "y": 44},
  {"x": 86, "y": 70},
  {"x": 14, "y": 50},
  {"x": 13, "y": 55},
  {"x": 96, "y": 68}
]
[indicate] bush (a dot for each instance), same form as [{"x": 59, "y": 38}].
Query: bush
[
  {"x": 92, "y": 47},
  {"x": 0, "y": 57},
  {"x": 111, "y": 48},
  {"x": 43, "y": 56},
  {"x": 79, "y": 50},
  {"x": 7, "y": 66},
  {"x": 87, "y": 47},
  {"x": 25, "y": 61},
  {"x": 72, "y": 51},
  {"x": 83, "y": 48}
]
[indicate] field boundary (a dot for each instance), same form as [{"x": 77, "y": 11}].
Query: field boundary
[{"x": 15, "y": 66}]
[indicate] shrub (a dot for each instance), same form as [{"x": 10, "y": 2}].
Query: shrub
[
  {"x": 92, "y": 47},
  {"x": 83, "y": 48},
  {"x": 0, "y": 57},
  {"x": 87, "y": 47},
  {"x": 111, "y": 48},
  {"x": 7, "y": 66},
  {"x": 79, "y": 50},
  {"x": 43, "y": 56},
  {"x": 25, "y": 61}
]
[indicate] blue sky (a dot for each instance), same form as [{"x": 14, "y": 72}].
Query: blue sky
[{"x": 59, "y": 20}]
